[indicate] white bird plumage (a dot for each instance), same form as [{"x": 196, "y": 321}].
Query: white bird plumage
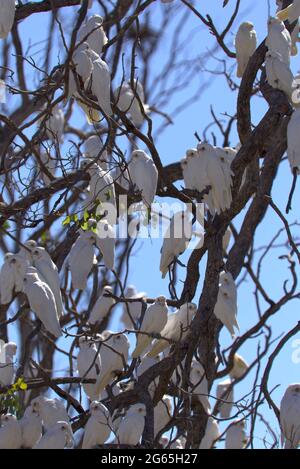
[
  {"x": 278, "y": 40},
  {"x": 10, "y": 432},
  {"x": 106, "y": 242},
  {"x": 93, "y": 34},
  {"x": 101, "y": 83},
  {"x": 132, "y": 425},
  {"x": 7, "y": 17},
  {"x": 89, "y": 365},
  {"x": 290, "y": 417},
  {"x": 212, "y": 433},
  {"x": 42, "y": 301},
  {"x": 81, "y": 258},
  {"x": 102, "y": 307},
  {"x": 290, "y": 13},
  {"x": 236, "y": 437},
  {"x": 132, "y": 101},
  {"x": 31, "y": 427},
  {"x": 58, "y": 436},
  {"x": 245, "y": 45},
  {"x": 55, "y": 124},
  {"x": 225, "y": 395},
  {"x": 7, "y": 368},
  {"x": 12, "y": 276},
  {"x": 93, "y": 148},
  {"x": 293, "y": 149},
  {"x": 199, "y": 385},
  {"x": 176, "y": 239},
  {"x": 154, "y": 320},
  {"x": 226, "y": 305},
  {"x": 279, "y": 74},
  {"x": 240, "y": 367},
  {"x": 162, "y": 414},
  {"x": 177, "y": 328},
  {"x": 98, "y": 426},
  {"x": 144, "y": 175},
  {"x": 50, "y": 411},
  {"x": 133, "y": 309}
]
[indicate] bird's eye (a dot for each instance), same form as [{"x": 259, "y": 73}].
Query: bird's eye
[
  {"x": 140, "y": 409},
  {"x": 297, "y": 389},
  {"x": 225, "y": 294},
  {"x": 63, "y": 427},
  {"x": 118, "y": 336},
  {"x": 24, "y": 280}
]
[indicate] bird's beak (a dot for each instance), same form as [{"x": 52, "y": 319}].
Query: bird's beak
[
  {"x": 70, "y": 439},
  {"x": 283, "y": 14}
]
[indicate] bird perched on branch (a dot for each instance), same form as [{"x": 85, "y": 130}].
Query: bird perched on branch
[
  {"x": 7, "y": 17},
  {"x": 10, "y": 432},
  {"x": 93, "y": 34},
  {"x": 50, "y": 411},
  {"x": 245, "y": 45},
  {"x": 290, "y": 417},
  {"x": 98, "y": 426},
  {"x": 59, "y": 436},
  {"x": 236, "y": 437},
  {"x": 7, "y": 369},
  {"x": 290, "y": 13},
  {"x": 278, "y": 40},
  {"x": 144, "y": 175},
  {"x": 89, "y": 365},
  {"x": 279, "y": 74},
  {"x": 103, "y": 306},
  {"x": 131, "y": 99},
  {"x": 132, "y": 425}
]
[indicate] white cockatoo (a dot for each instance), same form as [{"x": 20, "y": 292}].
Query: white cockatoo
[
  {"x": 155, "y": 319},
  {"x": 31, "y": 427},
  {"x": 101, "y": 187},
  {"x": 93, "y": 34},
  {"x": 133, "y": 309},
  {"x": 236, "y": 437},
  {"x": 48, "y": 273},
  {"x": 279, "y": 39},
  {"x": 89, "y": 365},
  {"x": 245, "y": 45},
  {"x": 55, "y": 124},
  {"x": 132, "y": 101},
  {"x": 176, "y": 329},
  {"x": 279, "y": 74},
  {"x": 226, "y": 306},
  {"x": 7, "y": 17},
  {"x": 199, "y": 385},
  {"x": 179, "y": 443},
  {"x": 106, "y": 242},
  {"x": 10, "y": 431},
  {"x": 212, "y": 434},
  {"x": 12, "y": 276},
  {"x": 81, "y": 258},
  {"x": 93, "y": 149},
  {"x": 144, "y": 175},
  {"x": 290, "y": 13},
  {"x": 176, "y": 239},
  {"x": 290, "y": 417},
  {"x": 210, "y": 173},
  {"x": 225, "y": 395},
  {"x": 59, "y": 436},
  {"x": 25, "y": 250},
  {"x": 42, "y": 301},
  {"x": 162, "y": 414},
  {"x": 101, "y": 83},
  {"x": 7, "y": 360},
  {"x": 226, "y": 156},
  {"x": 226, "y": 239},
  {"x": 102, "y": 307},
  {"x": 240, "y": 367},
  {"x": 50, "y": 411},
  {"x": 146, "y": 363},
  {"x": 114, "y": 355},
  {"x": 187, "y": 173},
  {"x": 293, "y": 150},
  {"x": 132, "y": 425},
  {"x": 98, "y": 427}
]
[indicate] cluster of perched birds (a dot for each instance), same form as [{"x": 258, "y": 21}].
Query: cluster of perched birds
[{"x": 102, "y": 357}]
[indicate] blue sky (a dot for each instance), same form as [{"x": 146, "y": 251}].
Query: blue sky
[{"x": 173, "y": 143}]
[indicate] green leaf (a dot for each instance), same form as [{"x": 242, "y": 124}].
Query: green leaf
[
  {"x": 86, "y": 215},
  {"x": 5, "y": 225},
  {"x": 67, "y": 221},
  {"x": 84, "y": 226}
]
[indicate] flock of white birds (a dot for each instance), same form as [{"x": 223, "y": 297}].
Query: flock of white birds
[{"x": 31, "y": 271}]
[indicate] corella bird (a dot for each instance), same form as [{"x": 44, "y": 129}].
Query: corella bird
[
  {"x": 236, "y": 437},
  {"x": 98, "y": 427},
  {"x": 155, "y": 319},
  {"x": 50, "y": 411},
  {"x": 10, "y": 432},
  {"x": 59, "y": 436},
  {"x": 55, "y": 124},
  {"x": 42, "y": 301},
  {"x": 279, "y": 74},
  {"x": 199, "y": 385},
  {"x": 114, "y": 355},
  {"x": 240, "y": 367},
  {"x": 293, "y": 150},
  {"x": 144, "y": 175},
  {"x": 278, "y": 40},
  {"x": 12, "y": 276},
  {"x": 176, "y": 329},
  {"x": 210, "y": 173},
  {"x": 7, "y": 360},
  {"x": 291, "y": 13},
  {"x": 290, "y": 417},
  {"x": 133, "y": 309},
  {"x": 93, "y": 34},
  {"x": 31, "y": 427},
  {"x": 7, "y": 17},
  {"x": 81, "y": 258},
  {"x": 106, "y": 242},
  {"x": 89, "y": 365},
  {"x": 226, "y": 306},
  {"x": 93, "y": 148},
  {"x": 102, "y": 307},
  {"x": 101, "y": 83},
  {"x": 48, "y": 273},
  {"x": 176, "y": 239},
  {"x": 162, "y": 414},
  {"x": 212, "y": 434},
  {"x": 131, "y": 99},
  {"x": 101, "y": 187},
  {"x": 132, "y": 425},
  {"x": 225, "y": 396},
  {"x": 245, "y": 45}
]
